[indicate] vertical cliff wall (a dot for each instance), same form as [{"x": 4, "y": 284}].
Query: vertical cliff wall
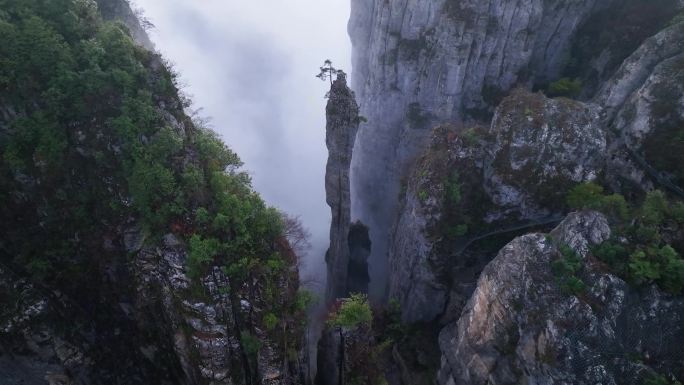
[
  {"x": 418, "y": 62},
  {"x": 342, "y": 114}
]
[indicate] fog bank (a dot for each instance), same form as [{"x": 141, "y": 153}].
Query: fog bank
[{"x": 251, "y": 66}]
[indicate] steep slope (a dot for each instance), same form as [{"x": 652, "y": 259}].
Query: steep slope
[
  {"x": 421, "y": 63},
  {"x": 512, "y": 175},
  {"x": 503, "y": 161},
  {"x": 134, "y": 251},
  {"x": 120, "y": 11},
  {"x": 520, "y": 327},
  {"x": 515, "y": 173}
]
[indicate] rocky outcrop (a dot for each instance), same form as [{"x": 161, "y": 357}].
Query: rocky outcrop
[
  {"x": 419, "y": 63},
  {"x": 536, "y": 149},
  {"x": 638, "y": 67},
  {"x": 40, "y": 353},
  {"x": 207, "y": 323},
  {"x": 520, "y": 327},
  {"x": 342, "y": 114},
  {"x": 644, "y": 108},
  {"x": 514, "y": 174},
  {"x": 170, "y": 331},
  {"x": 417, "y": 266},
  {"x": 120, "y": 10},
  {"x": 542, "y": 147}
]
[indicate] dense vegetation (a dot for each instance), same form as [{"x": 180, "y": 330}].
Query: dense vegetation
[
  {"x": 84, "y": 142},
  {"x": 95, "y": 143},
  {"x": 646, "y": 244}
]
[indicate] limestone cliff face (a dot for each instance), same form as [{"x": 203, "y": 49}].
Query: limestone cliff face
[
  {"x": 417, "y": 63},
  {"x": 513, "y": 174},
  {"x": 644, "y": 105},
  {"x": 518, "y": 327},
  {"x": 522, "y": 166},
  {"x": 342, "y": 114}
]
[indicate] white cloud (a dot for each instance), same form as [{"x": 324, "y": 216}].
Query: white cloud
[{"x": 250, "y": 65}]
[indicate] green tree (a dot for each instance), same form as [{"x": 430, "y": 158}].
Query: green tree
[
  {"x": 655, "y": 207},
  {"x": 328, "y": 72},
  {"x": 353, "y": 312},
  {"x": 585, "y": 196}
]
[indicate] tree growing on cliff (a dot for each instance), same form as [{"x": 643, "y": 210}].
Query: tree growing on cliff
[
  {"x": 354, "y": 311},
  {"x": 328, "y": 71}
]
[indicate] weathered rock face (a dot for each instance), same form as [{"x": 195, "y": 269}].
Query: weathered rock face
[
  {"x": 342, "y": 115},
  {"x": 519, "y": 327},
  {"x": 611, "y": 35},
  {"x": 164, "y": 334},
  {"x": 417, "y": 267},
  {"x": 645, "y": 109},
  {"x": 50, "y": 337},
  {"x": 542, "y": 147},
  {"x": 534, "y": 151},
  {"x": 207, "y": 329},
  {"x": 417, "y": 63},
  {"x": 515, "y": 173}
]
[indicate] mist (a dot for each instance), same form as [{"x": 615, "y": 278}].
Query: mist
[{"x": 251, "y": 66}]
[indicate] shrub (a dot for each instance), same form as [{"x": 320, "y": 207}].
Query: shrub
[
  {"x": 202, "y": 251},
  {"x": 202, "y": 216},
  {"x": 678, "y": 213},
  {"x": 573, "y": 285},
  {"x": 615, "y": 206},
  {"x": 354, "y": 311},
  {"x": 457, "y": 231},
  {"x": 565, "y": 268},
  {"x": 304, "y": 299},
  {"x": 655, "y": 208},
  {"x": 661, "y": 380},
  {"x": 423, "y": 196},
  {"x": 614, "y": 254},
  {"x": 453, "y": 189},
  {"x": 565, "y": 87},
  {"x": 642, "y": 268},
  {"x": 585, "y": 196},
  {"x": 591, "y": 196},
  {"x": 672, "y": 270},
  {"x": 270, "y": 321}
]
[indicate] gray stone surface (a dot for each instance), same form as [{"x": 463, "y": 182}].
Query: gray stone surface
[
  {"x": 342, "y": 114},
  {"x": 535, "y": 150},
  {"x": 421, "y": 62},
  {"x": 518, "y": 327}
]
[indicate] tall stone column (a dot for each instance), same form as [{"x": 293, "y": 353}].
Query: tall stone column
[{"x": 342, "y": 115}]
